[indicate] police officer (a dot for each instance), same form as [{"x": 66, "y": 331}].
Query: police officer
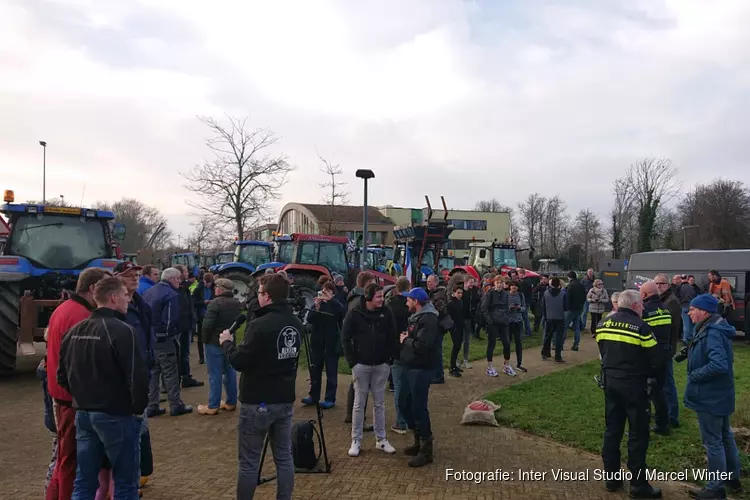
[
  {"x": 630, "y": 358},
  {"x": 658, "y": 317}
]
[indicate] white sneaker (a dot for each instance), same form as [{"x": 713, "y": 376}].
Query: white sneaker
[
  {"x": 354, "y": 449},
  {"x": 491, "y": 372},
  {"x": 385, "y": 446},
  {"x": 508, "y": 370},
  {"x": 466, "y": 364}
]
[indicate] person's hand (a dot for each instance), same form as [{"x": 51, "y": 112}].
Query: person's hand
[
  {"x": 404, "y": 336},
  {"x": 226, "y": 336},
  {"x": 317, "y": 301}
]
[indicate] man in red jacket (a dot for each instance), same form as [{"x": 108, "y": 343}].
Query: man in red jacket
[{"x": 68, "y": 314}]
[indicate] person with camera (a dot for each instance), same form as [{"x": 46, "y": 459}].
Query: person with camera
[
  {"x": 370, "y": 342},
  {"x": 658, "y": 317},
  {"x": 267, "y": 360},
  {"x": 710, "y": 393},
  {"x": 630, "y": 360},
  {"x": 419, "y": 343},
  {"x": 324, "y": 346},
  {"x": 221, "y": 313}
]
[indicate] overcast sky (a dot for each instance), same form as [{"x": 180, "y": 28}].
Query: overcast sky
[{"x": 470, "y": 100}]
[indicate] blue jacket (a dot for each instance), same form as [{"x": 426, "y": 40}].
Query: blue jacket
[
  {"x": 710, "y": 384},
  {"x": 164, "y": 301},
  {"x": 144, "y": 284},
  {"x": 139, "y": 317}
]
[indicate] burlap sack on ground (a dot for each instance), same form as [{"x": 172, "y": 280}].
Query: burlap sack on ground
[{"x": 480, "y": 412}]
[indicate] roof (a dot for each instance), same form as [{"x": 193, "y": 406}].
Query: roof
[{"x": 347, "y": 213}]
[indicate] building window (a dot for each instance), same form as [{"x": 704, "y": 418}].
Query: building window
[
  {"x": 457, "y": 244},
  {"x": 468, "y": 225}
]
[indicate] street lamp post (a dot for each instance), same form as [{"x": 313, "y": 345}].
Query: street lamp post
[
  {"x": 684, "y": 234},
  {"x": 364, "y": 174},
  {"x": 44, "y": 171}
]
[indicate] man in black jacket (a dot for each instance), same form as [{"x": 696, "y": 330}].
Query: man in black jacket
[
  {"x": 656, "y": 314},
  {"x": 363, "y": 279},
  {"x": 186, "y": 327},
  {"x": 397, "y": 304},
  {"x": 102, "y": 367},
  {"x": 537, "y": 297},
  {"x": 419, "y": 345},
  {"x": 325, "y": 346},
  {"x": 526, "y": 288},
  {"x": 672, "y": 303},
  {"x": 267, "y": 359},
  {"x": 576, "y": 299},
  {"x": 370, "y": 341},
  {"x": 221, "y": 313}
]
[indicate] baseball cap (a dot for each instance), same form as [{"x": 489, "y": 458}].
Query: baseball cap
[
  {"x": 124, "y": 267},
  {"x": 417, "y": 294}
]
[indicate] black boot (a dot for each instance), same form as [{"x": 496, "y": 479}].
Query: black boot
[
  {"x": 413, "y": 450},
  {"x": 424, "y": 456},
  {"x": 644, "y": 490}
]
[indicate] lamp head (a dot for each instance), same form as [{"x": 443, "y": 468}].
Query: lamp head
[{"x": 365, "y": 174}]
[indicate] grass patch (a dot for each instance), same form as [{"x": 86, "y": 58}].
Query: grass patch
[
  {"x": 568, "y": 407},
  {"x": 477, "y": 349}
]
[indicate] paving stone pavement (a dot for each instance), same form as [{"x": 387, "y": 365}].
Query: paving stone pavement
[{"x": 195, "y": 455}]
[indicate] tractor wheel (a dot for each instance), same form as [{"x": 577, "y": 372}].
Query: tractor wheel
[
  {"x": 243, "y": 285},
  {"x": 10, "y": 298}
]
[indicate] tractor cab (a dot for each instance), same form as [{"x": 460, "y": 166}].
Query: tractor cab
[
  {"x": 44, "y": 249},
  {"x": 191, "y": 260},
  {"x": 487, "y": 255},
  {"x": 243, "y": 265},
  {"x": 375, "y": 258},
  {"x": 220, "y": 259},
  {"x": 417, "y": 245},
  {"x": 130, "y": 257}
]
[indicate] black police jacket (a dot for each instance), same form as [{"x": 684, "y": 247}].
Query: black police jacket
[
  {"x": 658, "y": 317},
  {"x": 268, "y": 355},
  {"x": 627, "y": 346},
  {"x": 102, "y": 367}
]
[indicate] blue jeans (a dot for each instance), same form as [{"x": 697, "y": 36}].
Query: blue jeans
[
  {"x": 119, "y": 438},
  {"x": 687, "y": 326},
  {"x": 573, "y": 318},
  {"x": 584, "y": 315},
  {"x": 415, "y": 390},
  {"x": 721, "y": 448},
  {"x": 440, "y": 371},
  {"x": 670, "y": 392},
  {"x": 218, "y": 368},
  {"x": 397, "y": 371},
  {"x": 252, "y": 428},
  {"x": 526, "y": 322}
]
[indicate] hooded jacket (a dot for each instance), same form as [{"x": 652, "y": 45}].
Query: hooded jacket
[
  {"x": 495, "y": 307},
  {"x": 554, "y": 304},
  {"x": 419, "y": 350},
  {"x": 369, "y": 337},
  {"x": 710, "y": 383},
  {"x": 220, "y": 315}
]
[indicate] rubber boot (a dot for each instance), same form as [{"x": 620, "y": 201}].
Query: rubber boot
[
  {"x": 424, "y": 456},
  {"x": 413, "y": 450}
]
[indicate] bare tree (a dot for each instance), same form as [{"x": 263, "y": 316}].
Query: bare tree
[
  {"x": 336, "y": 196},
  {"x": 532, "y": 212},
  {"x": 555, "y": 225},
  {"x": 237, "y": 185},
  {"x": 146, "y": 228},
  {"x": 495, "y": 206},
  {"x": 203, "y": 229},
  {"x": 721, "y": 210},
  {"x": 652, "y": 183},
  {"x": 588, "y": 234},
  {"x": 621, "y": 217}
]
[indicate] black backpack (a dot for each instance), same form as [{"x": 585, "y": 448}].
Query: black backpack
[{"x": 303, "y": 446}]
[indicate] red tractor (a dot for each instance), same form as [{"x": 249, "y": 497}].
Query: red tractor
[
  {"x": 487, "y": 255},
  {"x": 307, "y": 257}
]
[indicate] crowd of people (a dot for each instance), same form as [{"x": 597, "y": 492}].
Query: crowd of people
[{"x": 121, "y": 346}]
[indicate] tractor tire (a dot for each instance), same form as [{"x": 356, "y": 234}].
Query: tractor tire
[
  {"x": 10, "y": 299},
  {"x": 244, "y": 285}
]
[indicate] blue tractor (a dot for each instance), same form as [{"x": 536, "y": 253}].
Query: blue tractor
[
  {"x": 43, "y": 249},
  {"x": 220, "y": 259},
  {"x": 191, "y": 260},
  {"x": 250, "y": 259}
]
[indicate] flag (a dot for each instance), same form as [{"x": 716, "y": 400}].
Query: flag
[{"x": 407, "y": 263}]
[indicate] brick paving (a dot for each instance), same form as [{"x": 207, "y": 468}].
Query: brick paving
[{"x": 195, "y": 455}]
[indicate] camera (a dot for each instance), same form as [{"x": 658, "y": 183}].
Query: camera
[
  {"x": 681, "y": 355},
  {"x": 296, "y": 299}
]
